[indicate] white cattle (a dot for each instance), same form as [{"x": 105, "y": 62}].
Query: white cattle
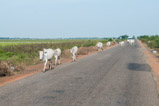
[
  {"x": 108, "y": 44},
  {"x": 99, "y": 45},
  {"x": 122, "y": 43},
  {"x": 74, "y": 52},
  {"x": 149, "y": 42},
  {"x": 154, "y": 52},
  {"x": 57, "y": 55},
  {"x": 46, "y": 55},
  {"x": 132, "y": 41}
]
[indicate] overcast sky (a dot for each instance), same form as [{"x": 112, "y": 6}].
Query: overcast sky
[{"x": 78, "y": 18}]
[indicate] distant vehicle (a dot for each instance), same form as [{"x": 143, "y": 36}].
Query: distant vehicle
[{"x": 129, "y": 38}]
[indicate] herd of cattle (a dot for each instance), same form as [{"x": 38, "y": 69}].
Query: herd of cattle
[{"x": 47, "y": 54}]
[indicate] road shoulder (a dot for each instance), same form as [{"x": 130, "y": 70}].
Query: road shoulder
[{"x": 153, "y": 61}]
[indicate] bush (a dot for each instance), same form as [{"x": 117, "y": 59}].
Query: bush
[
  {"x": 110, "y": 39},
  {"x": 66, "y": 53},
  {"x": 89, "y": 44},
  {"x": 104, "y": 41},
  {"x": 5, "y": 55},
  {"x": 5, "y": 69},
  {"x": 83, "y": 51},
  {"x": 154, "y": 40}
]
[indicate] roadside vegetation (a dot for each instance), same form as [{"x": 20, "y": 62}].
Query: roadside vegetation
[{"x": 151, "y": 41}]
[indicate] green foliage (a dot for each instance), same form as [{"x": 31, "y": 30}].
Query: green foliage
[
  {"x": 151, "y": 41},
  {"x": 5, "y": 55},
  {"x": 104, "y": 41},
  {"x": 133, "y": 37},
  {"x": 124, "y": 37},
  {"x": 88, "y": 44},
  {"x": 110, "y": 39}
]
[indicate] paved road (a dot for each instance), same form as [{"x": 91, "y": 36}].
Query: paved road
[{"x": 115, "y": 77}]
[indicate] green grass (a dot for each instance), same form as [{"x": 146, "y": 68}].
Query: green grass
[{"x": 22, "y": 42}]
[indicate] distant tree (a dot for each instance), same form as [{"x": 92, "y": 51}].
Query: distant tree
[
  {"x": 124, "y": 37},
  {"x": 110, "y": 39}
]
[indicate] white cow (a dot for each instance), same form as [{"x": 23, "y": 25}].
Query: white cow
[
  {"x": 154, "y": 52},
  {"x": 122, "y": 43},
  {"x": 132, "y": 41},
  {"x": 74, "y": 52},
  {"x": 46, "y": 55},
  {"x": 108, "y": 44},
  {"x": 99, "y": 45},
  {"x": 57, "y": 55}
]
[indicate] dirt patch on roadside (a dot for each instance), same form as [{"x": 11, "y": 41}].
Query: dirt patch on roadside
[
  {"x": 34, "y": 69},
  {"x": 153, "y": 61}
]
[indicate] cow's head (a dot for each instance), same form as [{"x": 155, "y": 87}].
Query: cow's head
[{"x": 41, "y": 53}]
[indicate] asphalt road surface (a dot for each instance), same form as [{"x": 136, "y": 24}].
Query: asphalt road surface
[{"x": 115, "y": 77}]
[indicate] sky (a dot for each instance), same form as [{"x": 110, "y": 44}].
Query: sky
[{"x": 78, "y": 18}]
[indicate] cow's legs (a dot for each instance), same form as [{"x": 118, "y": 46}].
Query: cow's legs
[
  {"x": 59, "y": 60},
  {"x": 56, "y": 57},
  {"x": 45, "y": 65},
  {"x": 74, "y": 57},
  {"x": 50, "y": 64}
]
